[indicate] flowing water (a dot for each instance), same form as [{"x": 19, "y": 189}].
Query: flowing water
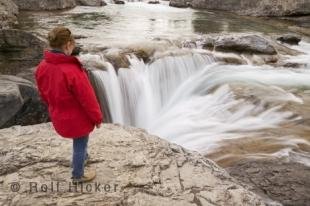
[
  {"x": 228, "y": 112},
  {"x": 194, "y": 101}
]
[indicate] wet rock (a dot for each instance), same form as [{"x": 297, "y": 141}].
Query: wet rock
[
  {"x": 180, "y": 3},
  {"x": 153, "y": 2},
  {"x": 229, "y": 59},
  {"x": 78, "y": 36},
  {"x": 284, "y": 50},
  {"x": 149, "y": 49},
  {"x": 19, "y": 102},
  {"x": 135, "y": 168},
  {"x": 8, "y": 14},
  {"x": 117, "y": 58},
  {"x": 253, "y": 8},
  {"x": 208, "y": 43},
  {"x": 262, "y": 59},
  {"x": 37, "y": 5},
  {"x": 91, "y": 3},
  {"x": 118, "y": 2},
  {"x": 290, "y": 39},
  {"x": 251, "y": 44},
  {"x": 142, "y": 54},
  {"x": 269, "y": 59},
  {"x": 19, "y": 50},
  {"x": 285, "y": 182},
  {"x": 93, "y": 62},
  {"x": 294, "y": 65},
  {"x": 192, "y": 44},
  {"x": 205, "y": 42}
]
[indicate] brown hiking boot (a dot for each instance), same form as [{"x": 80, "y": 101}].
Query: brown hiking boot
[{"x": 87, "y": 177}]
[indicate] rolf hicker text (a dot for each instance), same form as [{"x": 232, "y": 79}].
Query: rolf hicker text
[{"x": 55, "y": 187}]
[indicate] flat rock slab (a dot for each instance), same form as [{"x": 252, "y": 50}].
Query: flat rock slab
[
  {"x": 133, "y": 168},
  {"x": 252, "y": 44}
]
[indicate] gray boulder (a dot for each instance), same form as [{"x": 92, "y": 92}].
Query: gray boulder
[
  {"x": 91, "y": 3},
  {"x": 10, "y": 100},
  {"x": 180, "y": 3},
  {"x": 8, "y": 14},
  {"x": 153, "y": 2},
  {"x": 133, "y": 168},
  {"x": 37, "y": 5},
  {"x": 119, "y": 2},
  {"x": 252, "y": 44},
  {"x": 290, "y": 39},
  {"x": 19, "y": 102},
  {"x": 19, "y": 50},
  {"x": 208, "y": 43}
]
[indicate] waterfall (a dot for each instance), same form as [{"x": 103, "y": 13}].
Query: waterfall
[
  {"x": 195, "y": 102},
  {"x": 136, "y": 95}
]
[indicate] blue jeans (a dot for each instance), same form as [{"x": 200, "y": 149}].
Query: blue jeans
[{"x": 79, "y": 156}]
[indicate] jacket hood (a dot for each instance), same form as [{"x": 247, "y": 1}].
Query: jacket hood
[{"x": 60, "y": 58}]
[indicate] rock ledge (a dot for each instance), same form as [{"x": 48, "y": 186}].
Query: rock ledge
[{"x": 140, "y": 168}]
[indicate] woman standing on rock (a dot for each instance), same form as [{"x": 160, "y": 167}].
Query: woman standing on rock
[{"x": 73, "y": 108}]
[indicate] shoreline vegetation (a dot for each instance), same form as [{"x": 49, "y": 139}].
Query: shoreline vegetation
[{"x": 147, "y": 169}]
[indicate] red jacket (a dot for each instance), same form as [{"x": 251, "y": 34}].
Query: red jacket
[{"x": 64, "y": 86}]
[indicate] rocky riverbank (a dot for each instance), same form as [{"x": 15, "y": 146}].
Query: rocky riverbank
[
  {"x": 9, "y": 9},
  {"x": 140, "y": 168},
  {"x": 46, "y": 5},
  {"x": 252, "y": 8},
  {"x": 20, "y": 104}
]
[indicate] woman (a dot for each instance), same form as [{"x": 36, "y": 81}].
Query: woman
[{"x": 72, "y": 105}]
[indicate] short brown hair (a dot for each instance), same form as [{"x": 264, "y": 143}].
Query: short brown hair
[{"x": 59, "y": 36}]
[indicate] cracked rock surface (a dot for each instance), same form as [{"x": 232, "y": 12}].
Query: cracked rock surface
[
  {"x": 133, "y": 168},
  {"x": 277, "y": 179}
]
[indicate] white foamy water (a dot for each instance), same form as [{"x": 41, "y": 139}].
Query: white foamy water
[
  {"x": 191, "y": 100},
  {"x": 305, "y": 58}
]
